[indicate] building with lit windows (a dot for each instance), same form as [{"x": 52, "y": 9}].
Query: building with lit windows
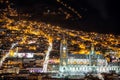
[{"x": 77, "y": 64}]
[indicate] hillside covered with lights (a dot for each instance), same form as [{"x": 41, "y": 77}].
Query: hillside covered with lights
[{"x": 34, "y": 35}]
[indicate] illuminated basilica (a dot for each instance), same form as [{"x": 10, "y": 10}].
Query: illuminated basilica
[{"x": 75, "y": 64}]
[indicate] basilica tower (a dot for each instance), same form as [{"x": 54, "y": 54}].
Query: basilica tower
[
  {"x": 63, "y": 56},
  {"x": 93, "y": 59}
]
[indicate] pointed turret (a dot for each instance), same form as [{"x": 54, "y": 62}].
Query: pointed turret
[
  {"x": 93, "y": 57},
  {"x": 63, "y": 56},
  {"x": 63, "y": 48},
  {"x": 92, "y": 49}
]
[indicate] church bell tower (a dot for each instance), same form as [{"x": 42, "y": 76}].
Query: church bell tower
[
  {"x": 63, "y": 56},
  {"x": 93, "y": 59}
]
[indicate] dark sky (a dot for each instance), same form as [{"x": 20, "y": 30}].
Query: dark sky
[
  {"x": 106, "y": 16},
  {"x": 102, "y": 15}
]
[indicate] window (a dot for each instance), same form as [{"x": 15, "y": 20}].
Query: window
[{"x": 64, "y": 68}]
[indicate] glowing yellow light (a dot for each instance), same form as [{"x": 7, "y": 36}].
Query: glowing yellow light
[{"x": 11, "y": 53}]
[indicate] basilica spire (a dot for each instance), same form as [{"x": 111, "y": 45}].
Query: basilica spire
[
  {"x": 92, "y": 49},
  {"x": 63, "y": 55}
]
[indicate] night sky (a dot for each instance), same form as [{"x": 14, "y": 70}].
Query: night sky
[{"x": 102, "y": 15}]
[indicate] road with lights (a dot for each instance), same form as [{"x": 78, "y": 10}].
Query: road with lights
[
  {"x": 7, "y": 54},
  {"x": 45, "y": 64}
]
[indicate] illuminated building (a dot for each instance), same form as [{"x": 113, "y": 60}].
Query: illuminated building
[{"x": 77, "y": 64}]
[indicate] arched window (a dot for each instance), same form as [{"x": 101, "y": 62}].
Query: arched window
[{"x": 64, "y": 68}]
